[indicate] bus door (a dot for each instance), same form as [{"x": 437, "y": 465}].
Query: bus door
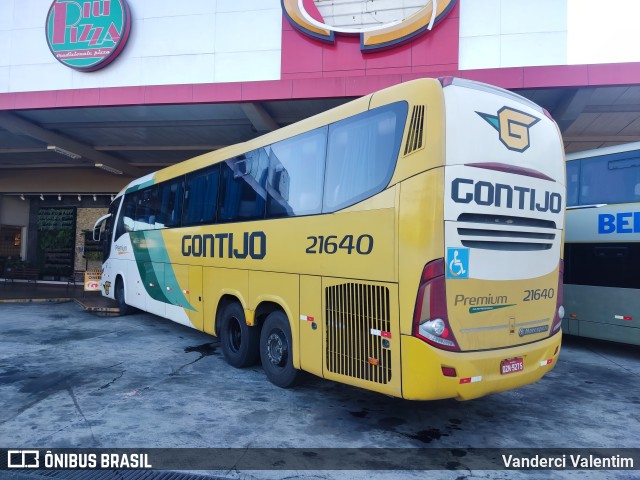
[
  {"x": 154, "y": 275},
  {"x": 311, "y": 324},
  {"x": 135, "y": 291}
]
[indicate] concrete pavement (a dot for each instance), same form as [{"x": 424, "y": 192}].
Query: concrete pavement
[{"x": 72, "y": 379}]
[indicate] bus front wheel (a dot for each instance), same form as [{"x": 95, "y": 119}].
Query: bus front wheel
[
  {"x": 275, "y": 350},
  {"x": 120, "y": 298},
  {"x": 239, "y": 341}
]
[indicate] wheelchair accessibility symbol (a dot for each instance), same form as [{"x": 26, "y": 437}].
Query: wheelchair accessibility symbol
[{"x": 457, "y": 263}]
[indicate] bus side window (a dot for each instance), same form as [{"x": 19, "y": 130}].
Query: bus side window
[
  {"x": 243, "y": 187},
  {"x": 169, "y": 205},
  {"x": 362, "y": 154},
  {"x": 201, "y": 196},
  {"x": 127, "y": 215},
  {"x": 146, "y": 209},
  {"x": 296, "y": 175},
  {"x": 573, "y": 182},
  {"x": 605, "y": 180}
]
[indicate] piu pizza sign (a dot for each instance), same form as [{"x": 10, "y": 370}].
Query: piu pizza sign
[{"x": 88, "y": 35}]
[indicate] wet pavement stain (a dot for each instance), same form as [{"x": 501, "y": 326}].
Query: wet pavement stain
[
  {"x": 361, "y": 414},
  {"x": 204, "y": 350},
  {"x": 12, "y": 375},
  {"x": 48, "y": 384},
  {"x": 454, "y": 424},
  {"x": 427, "y": 436},
  {"x": 458, "y": 453},
  {"x": 389, "y": 423}
]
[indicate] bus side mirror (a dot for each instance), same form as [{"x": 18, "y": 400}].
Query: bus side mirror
[
  {"x": 97, "y": 228},
  {"x": 96, "y": 233}
]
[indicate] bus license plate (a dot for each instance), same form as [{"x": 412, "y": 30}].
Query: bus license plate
[{"x": 511, "y": 365}]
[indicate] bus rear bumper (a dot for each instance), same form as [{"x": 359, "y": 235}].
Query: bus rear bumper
[{"x": 477, "y": 373}]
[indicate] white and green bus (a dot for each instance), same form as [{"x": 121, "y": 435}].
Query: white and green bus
[{"x": 602, "y": 244}]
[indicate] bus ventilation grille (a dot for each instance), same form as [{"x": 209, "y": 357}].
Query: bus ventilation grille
[
  {"x": 498, "y": 232},
  {"x": 357, "y": 322},
  {"x": 416, "y": 130}
]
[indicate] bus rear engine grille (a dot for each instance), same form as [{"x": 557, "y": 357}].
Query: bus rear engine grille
[
  {"x": 499, "y": 232},
  {"x": 358, "y": 316}
]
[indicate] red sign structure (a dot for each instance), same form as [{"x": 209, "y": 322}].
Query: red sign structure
[{"x": 304, "y": 16}]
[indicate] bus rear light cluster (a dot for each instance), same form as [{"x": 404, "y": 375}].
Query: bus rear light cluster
[
  {"x": 430, "y": 319},
  {"x": 559, "y": 313}
]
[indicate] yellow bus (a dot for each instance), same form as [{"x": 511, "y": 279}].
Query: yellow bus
[{"x": 408, "y": 242}]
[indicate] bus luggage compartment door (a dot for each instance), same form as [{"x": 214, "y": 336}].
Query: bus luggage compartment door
[{"x": 311, "y": 324}]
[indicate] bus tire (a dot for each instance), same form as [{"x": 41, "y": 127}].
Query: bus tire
[
  {"x": 275, "y": 350},
  {"x": 121, "y": 298},
  {"x": 239, "y": 341}
]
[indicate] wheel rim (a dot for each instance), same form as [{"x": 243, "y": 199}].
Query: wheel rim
[
  {"x": 277, "y": 348},
  {"x": 235, "y": 335}
]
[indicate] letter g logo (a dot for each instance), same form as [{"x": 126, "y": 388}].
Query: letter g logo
[{"x": 512, "y": 126}]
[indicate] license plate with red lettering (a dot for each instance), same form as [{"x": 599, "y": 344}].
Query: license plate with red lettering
[{"x": 511, "y": 365}]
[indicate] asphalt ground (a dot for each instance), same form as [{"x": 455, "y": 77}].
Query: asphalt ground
[{"x": 70, "y": 379}]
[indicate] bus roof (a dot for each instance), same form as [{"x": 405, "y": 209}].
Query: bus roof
[{"x": 598, "y": 152}]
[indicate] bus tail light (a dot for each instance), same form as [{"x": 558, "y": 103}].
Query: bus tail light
[
  {"x": 430, "y": 319},
  {"x": 557, "y": 319},
  {"x": 448, "y": 371}
]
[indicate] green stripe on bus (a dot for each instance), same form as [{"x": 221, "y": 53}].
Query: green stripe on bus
[
  {"x": 156, "y": 270},
  {"x": 135, "y": 188}
]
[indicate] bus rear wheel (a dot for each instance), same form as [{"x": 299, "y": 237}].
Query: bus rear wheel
[
  {"x": 275, "y": 350},
  {"x": 239, "y": 341}
]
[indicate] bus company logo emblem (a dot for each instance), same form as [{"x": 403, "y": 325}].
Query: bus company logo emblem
[
  {"x": 458, "y": 263},
  {"x": 107, "y": 287},
  {"x": 305, "y": 17},
  {"x": 87, "y": 35},
  {"x": 512, "y": 126},
  {"x": 533, "y": 330}
]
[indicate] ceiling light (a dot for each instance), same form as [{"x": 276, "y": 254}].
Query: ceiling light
[
  {"x": 41, "y": 197},
  {"x": 64, "y": 152},
  {"x": 59, "y": 197},
  {"x": 95, "y": 199},
  {"x": 79, "y": 198},
  {"x": 108, "y": 168},
  {"x": 21, "y": 196}
]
